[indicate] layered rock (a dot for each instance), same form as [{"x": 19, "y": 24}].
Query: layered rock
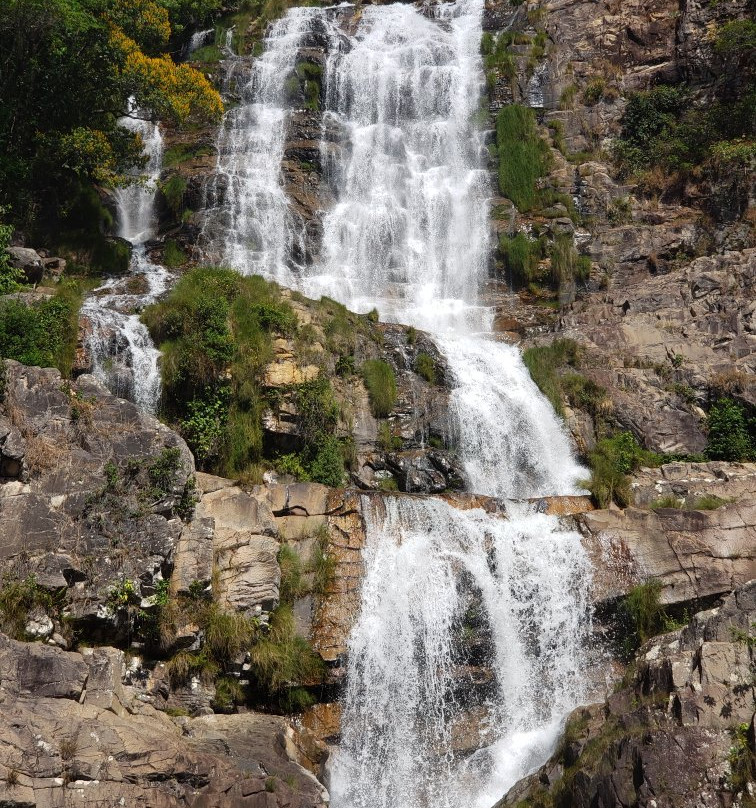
[
  {"x": 71, "y": 731},
  {"x": 679, "y": 732}
]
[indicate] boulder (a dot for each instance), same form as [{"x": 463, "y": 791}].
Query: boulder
[{"x": 29, "y": 261}]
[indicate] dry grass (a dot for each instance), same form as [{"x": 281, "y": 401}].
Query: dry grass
[{"x": 41, "y": 453}]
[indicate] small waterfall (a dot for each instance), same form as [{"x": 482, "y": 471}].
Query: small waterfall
[
  {"x": 122, "y": 353},
  {"x": 409, "y": 235},
  {"x": 403, "y": 703},
  {"x": 250, "y": 224}
]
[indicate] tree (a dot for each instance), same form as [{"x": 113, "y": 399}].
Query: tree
[{"x": 67, "y": 71}]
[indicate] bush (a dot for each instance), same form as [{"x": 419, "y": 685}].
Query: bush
[
  {"x": 173, "y": 255},
  {"x": 523, "y": 156},
  {"x": 42, "y": 333},
  {"x": 173, "y": 189},
  {"x": 611, "y": 461},
  {"x": 641, "y": 616},
  {"x": 10, "y": 276},
  {"x": 732, "y": 435},
  {"x": 327, "y": 467},
  {"x": 281, "y": 659},
  {"x": 380, "y": 382}
]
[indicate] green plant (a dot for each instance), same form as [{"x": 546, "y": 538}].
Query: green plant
[
  {"x": 122, "y": 595},
  {"x": 425, "y": 367},
  {"x": 611, "y": 461},
  {"x": 742, "y": 760},
  {"x": 543, "y": 361},
  {"x": 380, "y": 382},
  {"x": 731, "y": 433},
  {"x": 642, "y": 614},
  {"x": 10, "y": 277},
  {"x": 292, "y": 464},
  {"x": 292, "y": 586},
  {"x": 270, "y": 784},
  {"x": 173, "y": 189},
  {"x": 18, "y": 597},
  {"x": 228, "y": 693},
  {"x": 281, "y": 659},
  {"x": 173, "y": 255},
  {"x": 327, "y": 467},
  {"x": 594, "y": 91},
  {"x": 185, "y": 665},
  {"x": 708, "y": 502},
  {"x": 163, "y": 471},
  {"x": 323, "y": 562},
  {"x": 411, "y": 336},
  {"x": 523, "y": 156},
  {"x": 669, "y": 501},
  {"x": 43, "y": 333},
  {"x": 227, "y": 634}
]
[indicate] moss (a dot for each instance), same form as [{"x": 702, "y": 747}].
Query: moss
[
  {"x": 380, "y": 382},
  {"x": 183, "y": 152},
  {"x": 173, "y": 189}
]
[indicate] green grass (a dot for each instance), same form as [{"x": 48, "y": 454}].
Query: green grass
[
  {"x": 173, "y": 255},
  {"x": 18, "y": 597},
  {"x": 613, "y": 459},
  {"x": 543, "y": 361},
  {"x": 523, "y": 156},
  {"x": 425, "y": 367},
  {"x": 380, "y": 382}
]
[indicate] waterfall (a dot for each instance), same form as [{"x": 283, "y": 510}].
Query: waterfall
[
  {"x": 408, "y": 234},
  {"x": 122, "y": 353}
]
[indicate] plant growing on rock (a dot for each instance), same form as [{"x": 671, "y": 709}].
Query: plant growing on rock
[
  {"x": 380, "y": 382},
  {"x": 731, "y": 433}
]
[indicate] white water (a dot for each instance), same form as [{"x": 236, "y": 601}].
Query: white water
[
  {"x": 122, "y": 352},
  {"x": 409, "y": 235}
]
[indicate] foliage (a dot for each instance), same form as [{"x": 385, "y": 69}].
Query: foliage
[
  {"x": 521, "y": 256},
  {"x": 663, "y": 128},
  {"x": 10, "y": 276},
  {"x": 43, "y": 333},
  {"x": 281, "y": 659},
  {"x": 425, "y": 367},
  {"x": 18, "y": 597},
  {"x": 611, "y": 461},
  {"x": 380, "y": 382},
  {"x": 641, "y": 614},
  {"x": 215, "y": 329},
  {"x": 523, "y": 156},
  {"x": 543, "y": 361},
  {"x": 327, "y": 466},
  {"x": 742, "y": 762},
  {"x": 173, "y": 190},
  {"x": 67, "y": 71},
  {"x": 731, "y": 433},
  {"x": 291, "y": 586}
]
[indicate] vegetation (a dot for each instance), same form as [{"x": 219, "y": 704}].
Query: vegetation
[
  {"x": 611, "y": 461},
  {"x": 543, "y": 362},
  {"x": 67, "y": 71},
  {"x": 641, "y": 616},
  {"x": 425, "y": 367},
  {"x": 19, "y": 597},
  {"x": 42, "y": 333},
  {"x": 380, "y": 381},
  {"x": 666, "y": 128},
  {"x": 523, "y": 156},
  {"x": 731, "y": 432}
]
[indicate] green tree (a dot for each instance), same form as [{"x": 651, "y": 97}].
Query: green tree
[{"x": 730, "y": 433}]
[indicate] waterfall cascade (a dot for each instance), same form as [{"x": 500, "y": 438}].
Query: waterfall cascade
[
  {"x": 408, "y": 234},
  {"x": 123, "y": 355}
]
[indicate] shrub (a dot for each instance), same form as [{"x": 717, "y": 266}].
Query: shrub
[
  {"x": 43, "y": 333},
  {"x": 18, "y": 597},
  {"x": 173, "y": 255},
  {"x": 327, "y": 466},
  {"x": 281, "y": 659},
  {"x": 292, "y": 585},
  {"x": 641, "y": 614},
  {"x": 10, "y": 276},
  {"x": 425, "y": 367},
  {"x": 732, "y": 435},
  {"x": 228, "y": 634},
  {"x": 594, "y": 91},
  {"x": 173, "y": 189},
  {"x": 523, "y": 156},
  {"x": 228, "y": 693},
  {"x": 323, "y": 563},
  {"x": 611, "y": 461},
  {"x": 380, "y": 382}
]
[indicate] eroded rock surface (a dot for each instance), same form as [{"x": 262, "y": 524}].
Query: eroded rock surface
[{"x": 680, "y": 733}]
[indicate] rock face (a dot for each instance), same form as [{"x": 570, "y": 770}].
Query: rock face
[
  {"x": 680, "y": 733},
  {"x": 71, "y": 732}
]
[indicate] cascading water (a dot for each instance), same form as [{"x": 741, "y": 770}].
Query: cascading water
[
  {"x": 408, "y": 234},
  {"x": 122, "y": 353}
]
